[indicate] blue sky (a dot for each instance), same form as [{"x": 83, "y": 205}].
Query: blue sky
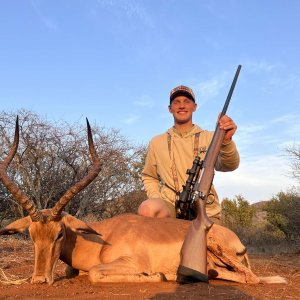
[{"x": 116, "y": 62}]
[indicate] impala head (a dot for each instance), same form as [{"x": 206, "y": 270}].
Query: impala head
[{"x": 47, "y": 228}]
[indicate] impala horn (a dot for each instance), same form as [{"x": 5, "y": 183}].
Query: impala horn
[
  {"x": 84, "y": 182},
  {"x": 22, "y": 199}
]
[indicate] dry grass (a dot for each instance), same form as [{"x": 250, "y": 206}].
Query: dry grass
[
  {"x": 12, "y": 252},
  {"x": 11, "y": 279},
  {"x": 17, "y": 260}
]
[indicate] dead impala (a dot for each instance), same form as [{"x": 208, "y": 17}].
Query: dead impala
[{"x": 126, "y": 248}]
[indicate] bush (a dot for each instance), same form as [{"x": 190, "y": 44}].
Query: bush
[{"x": 52, "y": 157}]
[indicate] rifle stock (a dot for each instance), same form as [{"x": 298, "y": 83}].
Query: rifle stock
[
  {"x": 193, "y": 260},
  {"x": 204, "y": 182}
]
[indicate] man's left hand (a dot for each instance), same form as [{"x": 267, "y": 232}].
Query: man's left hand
[{"x": 229, "y": 126}]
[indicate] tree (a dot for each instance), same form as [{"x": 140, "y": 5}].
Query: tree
[
  {"x": 237, "y": 212},
  {"x": 283, "y": 212},
  {"x": 53, "y": 156},
  {"x": 294, "y": 154}
]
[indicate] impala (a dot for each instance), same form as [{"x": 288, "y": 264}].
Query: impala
[{"x": 126, "y": 248}]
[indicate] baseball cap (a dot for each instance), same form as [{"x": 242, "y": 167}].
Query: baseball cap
[{"x": 182, "y": 90}]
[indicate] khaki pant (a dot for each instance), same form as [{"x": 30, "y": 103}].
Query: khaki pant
[{"x": 216, "y": 219}]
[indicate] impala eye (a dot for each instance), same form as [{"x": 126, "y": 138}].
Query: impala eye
[{"x": 60, "y": 235}]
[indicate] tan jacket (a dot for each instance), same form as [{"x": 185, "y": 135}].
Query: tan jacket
[{"x": 157, "y": 175}]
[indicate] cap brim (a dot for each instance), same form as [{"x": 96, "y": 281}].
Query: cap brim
[{"x": 181, "y": 93}]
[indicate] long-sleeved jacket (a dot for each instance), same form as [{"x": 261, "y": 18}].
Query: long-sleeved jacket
[{"x": 158, "y": 177}]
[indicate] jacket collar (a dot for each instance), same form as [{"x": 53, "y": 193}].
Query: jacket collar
[{"x": 175, "y": 133}]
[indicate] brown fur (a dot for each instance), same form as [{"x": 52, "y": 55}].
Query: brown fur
[
  {"x": 123, "y": 248},
  {"x": 128, "y": 248}
]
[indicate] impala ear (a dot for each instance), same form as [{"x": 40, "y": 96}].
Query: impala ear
[
  {"x": 18, "y": 226},
  {"x": 77, "y": 225}
]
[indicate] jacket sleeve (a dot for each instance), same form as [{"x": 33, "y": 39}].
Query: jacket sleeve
[
  {"x": 149, "y": 175},
  {"x": 228, "y": 159}
]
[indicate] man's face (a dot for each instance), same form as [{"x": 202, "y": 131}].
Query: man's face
[{"x": 182, "y": 109}]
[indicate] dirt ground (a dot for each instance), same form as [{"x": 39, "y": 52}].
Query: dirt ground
[{"x": 16, "y": 263}]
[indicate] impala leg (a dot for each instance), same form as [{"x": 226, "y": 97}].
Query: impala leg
[
  {"x": 122, "y": 270},
  {"x": 233, "y": 269},
  {"x": 236, "y": 276}
]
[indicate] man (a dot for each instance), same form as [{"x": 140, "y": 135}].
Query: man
[{"x": 172, "y": 153}]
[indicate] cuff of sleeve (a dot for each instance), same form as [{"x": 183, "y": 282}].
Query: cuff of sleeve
[
  {"x": 227, "y": 142},
  {"x": 228, "y": 145}
]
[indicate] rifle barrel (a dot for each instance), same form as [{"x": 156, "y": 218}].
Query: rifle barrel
[
  {"x": 231, "y": 90},
  {"x": 204, "y": 181}
]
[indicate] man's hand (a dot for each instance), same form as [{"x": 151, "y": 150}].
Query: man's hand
[{"x": 229, "y": 126}]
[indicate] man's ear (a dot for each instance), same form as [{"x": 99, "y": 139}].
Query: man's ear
[
  {"x": 195, "y": 107},
  {"x": 170, "y": 109}
]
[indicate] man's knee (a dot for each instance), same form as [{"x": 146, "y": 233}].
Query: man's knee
[
  {"x": 145, "y": 209},
  {"x": 154, "y": 208}
]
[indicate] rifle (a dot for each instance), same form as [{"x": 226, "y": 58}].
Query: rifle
[
  {"x": 184, "y": 205},
  {"x": 193, "y": 262}
]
